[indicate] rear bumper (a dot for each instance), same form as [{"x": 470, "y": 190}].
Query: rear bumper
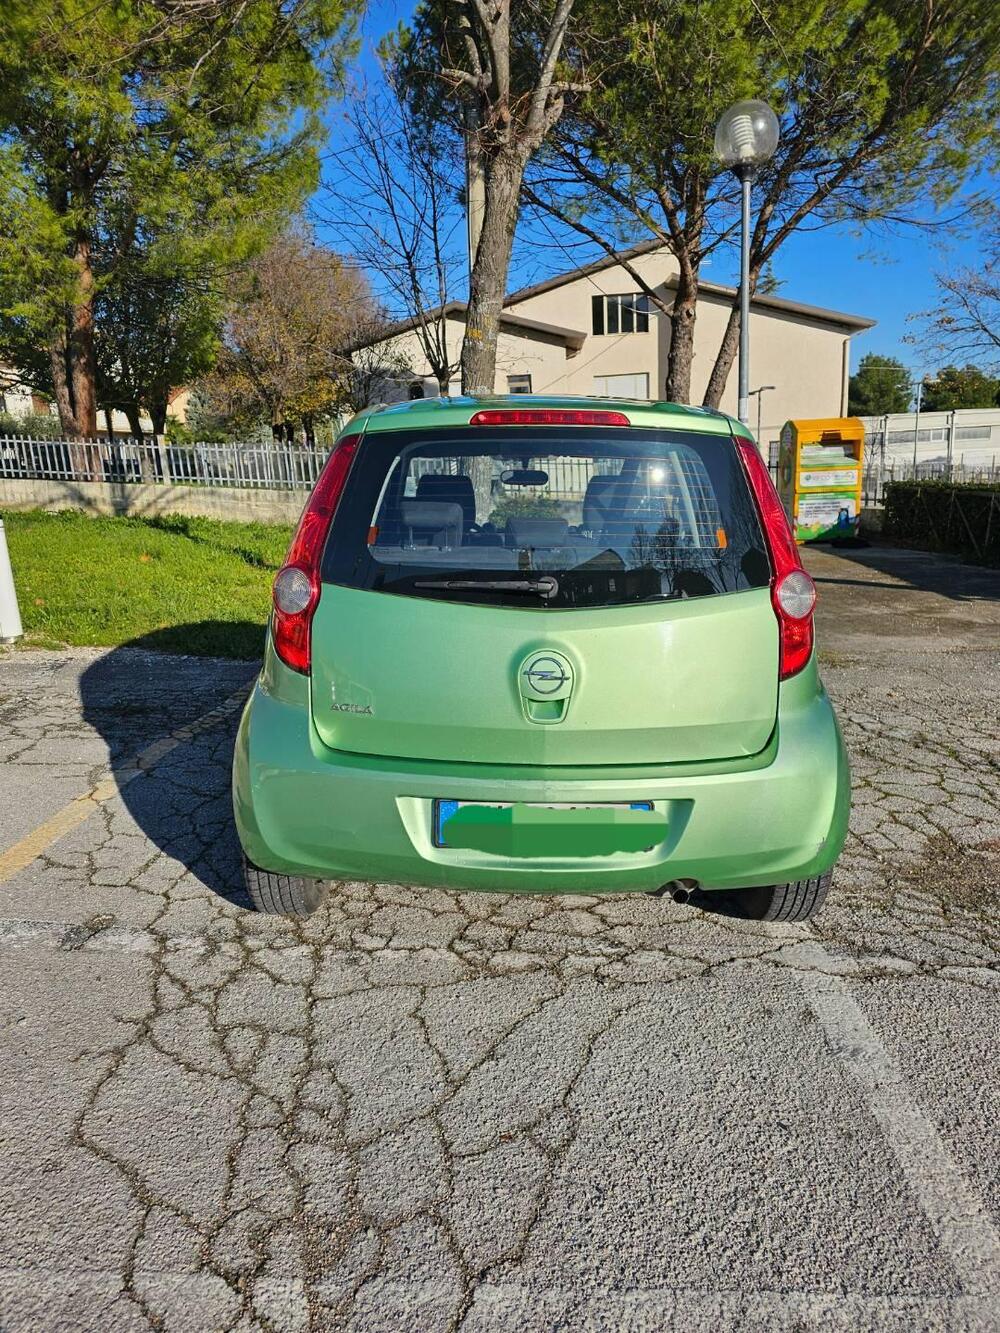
[{"x": 304, "y": 809}]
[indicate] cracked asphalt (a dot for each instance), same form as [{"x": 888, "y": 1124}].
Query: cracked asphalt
[{"x": 428, "y": 1110}]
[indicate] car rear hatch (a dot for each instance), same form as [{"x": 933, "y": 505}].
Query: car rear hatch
[{"x": 556, "y": 595}]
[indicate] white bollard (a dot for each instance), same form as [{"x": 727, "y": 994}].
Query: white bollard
[{"x": 10, "y": 616}]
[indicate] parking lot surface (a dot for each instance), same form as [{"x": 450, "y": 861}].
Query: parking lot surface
[{"x": 429, "y": 1110}]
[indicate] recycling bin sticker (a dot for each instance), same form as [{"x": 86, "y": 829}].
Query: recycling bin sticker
[
  {"x": 841, "y": 476},
  {"x": 829, "y": 515}
]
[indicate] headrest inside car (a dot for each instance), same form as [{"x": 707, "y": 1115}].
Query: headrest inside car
[
  {"x": 522, "y": 532},
  {"x": 433, "y": 520},
  {"x": 450, "y": 489}
]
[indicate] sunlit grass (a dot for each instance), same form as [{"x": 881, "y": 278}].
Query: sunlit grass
[{"x": 186, "y": 585}]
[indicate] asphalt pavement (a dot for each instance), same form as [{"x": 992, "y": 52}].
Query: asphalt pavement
[{"x": 428, "y": 1110}]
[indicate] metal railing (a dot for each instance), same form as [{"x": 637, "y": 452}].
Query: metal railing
[
  {"x": 568, "y": 476},
  {"x": 878, "y": 472},
  {"x": 296, "y": 468},
  {"x": 252, "y": 466}
]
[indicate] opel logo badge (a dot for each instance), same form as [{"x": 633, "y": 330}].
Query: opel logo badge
[{"x": 546, "y": 675}]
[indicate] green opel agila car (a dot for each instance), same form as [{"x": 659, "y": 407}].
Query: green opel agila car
[{"x": 543, "y": 645}]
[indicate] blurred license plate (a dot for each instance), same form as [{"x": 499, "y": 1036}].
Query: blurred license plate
[{"x": 443, "y": 810}]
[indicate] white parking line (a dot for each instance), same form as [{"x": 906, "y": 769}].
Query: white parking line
[
  {"x": 499, "y": 1306},
  {"x": 949, "y": 1202}
]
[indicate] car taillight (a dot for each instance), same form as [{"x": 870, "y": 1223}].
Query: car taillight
[
  {"x": 547, "y": 416},
  {"x": 793, "y": 593},
  {"x": 297, "y": 582}
]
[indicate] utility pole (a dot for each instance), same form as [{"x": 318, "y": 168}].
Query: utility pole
[
  {"x": 759, "y": 393},
  {"x": 10, "y": 616},
  {"x": 951, "y": 442},
  {"x": 916, "y": 424}
]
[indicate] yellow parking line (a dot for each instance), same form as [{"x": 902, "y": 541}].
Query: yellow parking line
[{"x": 22, "y": 853}]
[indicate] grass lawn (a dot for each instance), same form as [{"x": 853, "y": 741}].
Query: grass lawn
[{"x": 181, "y": 585}]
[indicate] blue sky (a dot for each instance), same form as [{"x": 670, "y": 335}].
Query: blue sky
[{"x": 883, "y": 277}]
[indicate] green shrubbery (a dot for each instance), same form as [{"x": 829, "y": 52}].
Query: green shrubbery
[
  {"x": 946, "y": 516},
  {"x": 524, "y": 506},
  {"x": 33, "y": 425}
]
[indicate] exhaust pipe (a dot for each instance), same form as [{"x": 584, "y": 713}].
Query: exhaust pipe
[{"x": 681, "y": 890}]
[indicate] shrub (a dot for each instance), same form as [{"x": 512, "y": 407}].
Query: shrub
[
  {"x": 946, "y": 516},
  {"x": 33, "y": 425},
  {"x": 524, "y": 506}
]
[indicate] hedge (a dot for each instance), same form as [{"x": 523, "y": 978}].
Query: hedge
[{"x": 946, "y": 516}]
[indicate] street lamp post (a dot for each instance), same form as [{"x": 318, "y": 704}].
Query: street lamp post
[
  {"x": 916, "y": 423},
  {"x": 745, "y": 138},
  {"x": 759, "y": 394}
]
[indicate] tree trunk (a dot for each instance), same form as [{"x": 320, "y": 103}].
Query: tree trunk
[
  {"x": 444, "y": 383},
  {"x": 61, "y": 383},
  {"x": 83, "y": 460},
  {"x": 489, "y": 273},
  {"x": 680, "y": 358},
  {"x": 82, "y": 361},
  {"x": 728, "y": 349},
  {"x": 147, "y": 470},
  {"x": 134, "y": 418},
  {"x": 722, "y": 369},
  {"x": 158, "y": 417},
  {"x": 479, "y": 469}
]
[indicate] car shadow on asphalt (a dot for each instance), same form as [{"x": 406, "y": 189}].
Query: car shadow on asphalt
[
  {"x": 147, "y": 700},
  {"x": 146, "y": 694},
  {"x": 919, "y": 571}
]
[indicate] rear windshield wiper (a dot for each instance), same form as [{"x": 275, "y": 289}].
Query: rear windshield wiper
[{"x": 546, "y": 586}]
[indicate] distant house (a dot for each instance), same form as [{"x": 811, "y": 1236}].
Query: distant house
[
  {"x": 588, "y": 331},
  {"x": 19, "y": 401}
]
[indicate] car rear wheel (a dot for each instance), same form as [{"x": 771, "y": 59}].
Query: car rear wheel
[
  {"x": 282, "y": 895},
  {"x": 796, "y": 901}
]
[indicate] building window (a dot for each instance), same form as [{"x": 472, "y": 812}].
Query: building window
[
  {"x": 519, "y": 384},
  {"x": 621, "y": 386},
  {"x": 620, "y": 314}
]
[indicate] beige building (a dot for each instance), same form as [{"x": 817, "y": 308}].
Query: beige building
[
  {"x": 19, "y": 401},
  {"x": 589, "y": 332}
]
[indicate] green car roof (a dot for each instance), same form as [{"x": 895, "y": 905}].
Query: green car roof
[{"x": 421, "y": 413}]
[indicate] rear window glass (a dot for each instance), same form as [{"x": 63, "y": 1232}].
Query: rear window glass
[{"x": 556, "y": 517}]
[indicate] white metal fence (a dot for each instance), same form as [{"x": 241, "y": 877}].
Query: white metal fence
[
  {"x": 968, "y": 436},
  {"x": 883, "y": 464},
  {"x": 290, "y": 467},
  {"x": 253, "y": 466},
  {"x": 960, "y": 446},
  {"x": 568, "y": 477}
]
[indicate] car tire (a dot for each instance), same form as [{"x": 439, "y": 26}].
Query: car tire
[
  {"x": 797, "y": 901},
  {"x": 282, "y": 895}
]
